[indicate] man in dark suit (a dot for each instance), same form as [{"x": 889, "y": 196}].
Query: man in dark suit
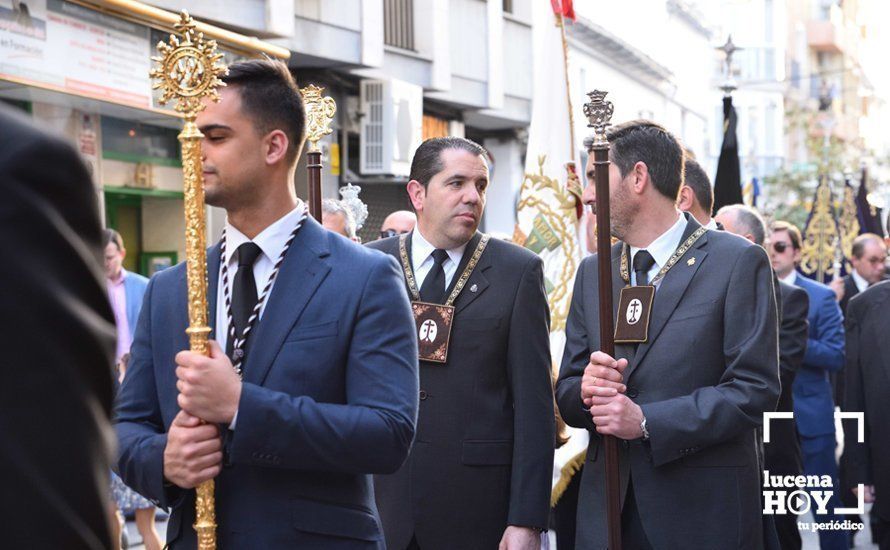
[
  {"x": 57, "y": 337},
  {"x": 480, "y": 470},
  {"x": 813, "y": 402},
  {"x": 781, "y": 455},
  {"x": 329, "y": 388},
  {"x": 686, "y": 402},
  {"x": 867, "y": 388},
  {"x": 868, "y": 256}
]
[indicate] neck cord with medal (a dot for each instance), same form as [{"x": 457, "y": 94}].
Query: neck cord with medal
[
  {"x": 238, "y": 343},
  {"x": 412, "y": 282},
  {"x": 635, "y": 302},
  {"x": 433, "y": 321}
]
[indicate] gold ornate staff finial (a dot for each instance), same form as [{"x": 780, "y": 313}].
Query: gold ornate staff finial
[
  {"x": 189, "y": 70},
  {"x": 599, "y": 115},
  {"x": 319, "y": 114}
]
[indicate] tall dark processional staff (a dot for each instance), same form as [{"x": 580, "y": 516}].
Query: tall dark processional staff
[
  {"x": 599, "y": 114},
  {"x": 320, "y": 112}
]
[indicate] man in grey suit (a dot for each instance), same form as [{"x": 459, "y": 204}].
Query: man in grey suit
[
  {"x": 685, "y": 402},
  {"x": 478, "y": 475}
]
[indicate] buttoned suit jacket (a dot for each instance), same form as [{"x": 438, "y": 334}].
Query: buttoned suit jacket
[
  {"x": 483, "y": 455},
  {"x": 867, "y": 390},
  {"x": 703, "y": 380},
  {"x": 329, "y": 397},
  {"x": 57, "y": 336},
  {"x": 813, "y": 396}
]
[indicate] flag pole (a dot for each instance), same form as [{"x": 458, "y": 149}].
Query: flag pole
[
  {"x": 599, "y": 114},
  {"x": 560, "y": 22}
]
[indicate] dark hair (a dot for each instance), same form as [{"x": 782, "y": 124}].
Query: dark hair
[
  {"x": 793, "y": 232},
  {"x": 748, "y": 220},
  {"x": 858, "y": 248},
  {"x": 650, "y": 143},
  {"x": 427, "y": 160},
  {"x": 695, "y": 177},
  {"x": 271, "y": 97},
  {"x": 111, "y": 236}
]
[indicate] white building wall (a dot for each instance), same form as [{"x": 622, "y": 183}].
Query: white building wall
[
  {"x": 503, "y": 190},
  {"x": 760, "y": 28}
]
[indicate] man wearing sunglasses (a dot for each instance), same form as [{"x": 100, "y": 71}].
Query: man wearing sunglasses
[{"x": 813, "y": 402}]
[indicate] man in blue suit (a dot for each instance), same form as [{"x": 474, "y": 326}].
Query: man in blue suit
[
  {"x": 813, "y": 403},
  {"x": 125, "y": 291},
  {"x": 318, "y": 388}
]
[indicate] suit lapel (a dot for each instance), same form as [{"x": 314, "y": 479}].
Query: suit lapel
[
  {"x": 670, "y": 291},
  {"x": 477, "y": 283},
  {"x": 302, "y": 271}
]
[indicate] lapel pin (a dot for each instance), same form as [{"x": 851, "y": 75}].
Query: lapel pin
[
  {"x": 474, "y": 288},
  {"x": 691, "y": 261}
]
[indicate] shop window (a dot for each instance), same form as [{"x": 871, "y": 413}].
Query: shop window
[
  {"x": 434, "y": 127},
  {"x": 132, "y": 141}
]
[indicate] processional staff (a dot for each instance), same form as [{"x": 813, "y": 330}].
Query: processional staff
[
  {"x": 319, "y": 114},
  {"x": 188, "y": 71},
  {"x": 599, "y": 113}
]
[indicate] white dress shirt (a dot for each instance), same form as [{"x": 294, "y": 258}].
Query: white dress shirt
[
  {"x": 661, "y": 249},
  {"x": 422, "y": 259},
  {"x": 861, "y": 283},
  {"x": 271, "y": 241},
  {"x": 790, "y": 279},
  {"x": 712, "y": 225}
]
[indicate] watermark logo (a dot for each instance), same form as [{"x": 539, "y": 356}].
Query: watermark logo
[{"x": 789, "y": 494}]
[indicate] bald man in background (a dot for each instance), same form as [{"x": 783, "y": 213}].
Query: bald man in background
[{"x": 397, "y": 223}]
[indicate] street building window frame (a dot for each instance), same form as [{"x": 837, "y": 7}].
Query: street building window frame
[{"x": 398, "y": 24}]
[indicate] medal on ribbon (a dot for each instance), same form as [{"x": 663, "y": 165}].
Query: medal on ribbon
[
  {"x": 635, "y": 302},
  {"x": 434, "y": 321}
]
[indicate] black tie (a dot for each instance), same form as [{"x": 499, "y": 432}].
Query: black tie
[
  {"x": 643, "y": 262},
  {"x": 433, "y": 288},
  {"x": 244, "y": 297}
]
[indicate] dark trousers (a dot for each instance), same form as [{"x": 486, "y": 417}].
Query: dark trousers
[
  {"x": 565, "y": 514},
  {"x": 818, "y": 459},
  {"x": 880, "y": 532},
  {"x": 633, "y": 536}
]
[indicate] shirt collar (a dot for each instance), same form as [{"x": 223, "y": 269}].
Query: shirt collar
[
  {"x": 666, "y": 244},
  {"x": 861, "y": 283},
  {"x": 421, "y": 249},
  {"x": 271, "y": 240},
  {"x": 712, "y": 225},
  {"x": 791, "y": 278},
  {"x": 120, "y": 279}
]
